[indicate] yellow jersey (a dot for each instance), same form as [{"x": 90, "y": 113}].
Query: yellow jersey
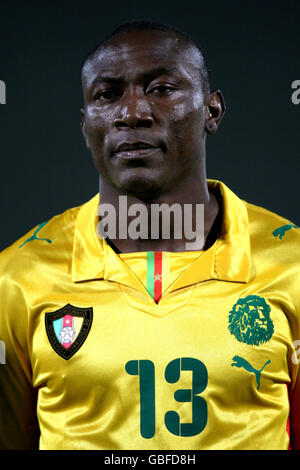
[{"x": 154, "y": 350}]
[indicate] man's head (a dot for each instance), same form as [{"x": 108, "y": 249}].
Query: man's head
[
  {"x": 147, "y": 85},
  {"x": 142, "y": 25}
]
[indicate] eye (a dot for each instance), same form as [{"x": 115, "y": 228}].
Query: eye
[
  {"x": 162, "y": 89},
  {"x": 105, "y": 95}
]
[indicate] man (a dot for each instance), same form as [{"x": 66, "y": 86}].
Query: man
[{"x": 136, "y": 342}]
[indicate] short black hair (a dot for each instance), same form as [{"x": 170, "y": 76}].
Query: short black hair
[{"x": 141, "y": 25}]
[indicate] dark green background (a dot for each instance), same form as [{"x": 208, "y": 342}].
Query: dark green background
[{"x": 253, "y": 52}]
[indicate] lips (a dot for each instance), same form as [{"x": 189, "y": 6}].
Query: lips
[{"x": 127, "y": 146}]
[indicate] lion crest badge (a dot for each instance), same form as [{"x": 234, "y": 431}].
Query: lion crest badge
[
  {"x": 250, "y": 322},
  {"x": 67, "y": 329}
]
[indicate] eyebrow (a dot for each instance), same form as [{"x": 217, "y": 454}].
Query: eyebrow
[{"x": 148, "y": 75}]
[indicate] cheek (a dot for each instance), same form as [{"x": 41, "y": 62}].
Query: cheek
[
  {"x": 188, "y": 116},
  {"x": 180, "y": 113},
  {"x": 185, "y": 136},
  {"x": 95, "y": 124}
]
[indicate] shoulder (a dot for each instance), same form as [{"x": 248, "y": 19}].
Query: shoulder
[
  {"x": 47, "y": 242},
  {"x": 275, "y": 248},
  {"x": 273, "y": 233}
]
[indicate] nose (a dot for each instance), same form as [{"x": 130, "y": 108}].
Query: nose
[{"x": 135, "y": 111}]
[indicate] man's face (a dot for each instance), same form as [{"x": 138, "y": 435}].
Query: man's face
[{"x": 143, "y": 92}]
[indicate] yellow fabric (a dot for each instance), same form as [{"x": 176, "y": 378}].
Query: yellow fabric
[
  {"x": 173, "y": 264},
  {"x": 93, "y": 400}
]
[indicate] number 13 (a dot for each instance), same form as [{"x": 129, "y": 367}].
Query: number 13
[{"x": 145, "y": 370}]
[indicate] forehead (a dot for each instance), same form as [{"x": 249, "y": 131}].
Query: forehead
[{"x": 131, "y": 53}]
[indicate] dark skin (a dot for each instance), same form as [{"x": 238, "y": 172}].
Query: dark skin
[{"x": 127, "y": 99}]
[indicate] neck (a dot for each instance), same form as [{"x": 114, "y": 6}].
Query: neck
[{"x": 148, "y": 226}]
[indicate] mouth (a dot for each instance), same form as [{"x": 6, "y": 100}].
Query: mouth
[{"x": 135, "y": 150}]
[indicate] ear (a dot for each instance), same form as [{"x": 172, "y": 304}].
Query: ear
[
  {"x": 215, "y": 111},
  {"x": 83, "y": 129}
]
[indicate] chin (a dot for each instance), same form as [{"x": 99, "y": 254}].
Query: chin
[{"x": 140, "y": 185}]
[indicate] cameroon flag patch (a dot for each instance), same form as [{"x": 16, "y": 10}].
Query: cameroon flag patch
[{"x": 154, "y": 274}]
